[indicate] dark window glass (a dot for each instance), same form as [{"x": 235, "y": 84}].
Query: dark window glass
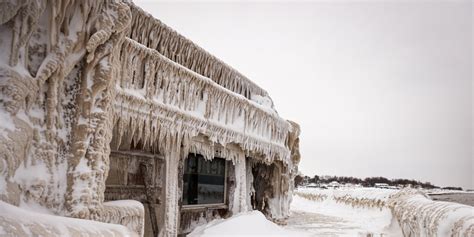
[{"x": 203, "y": 180}]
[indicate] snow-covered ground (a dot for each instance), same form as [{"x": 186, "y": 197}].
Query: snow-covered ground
[
  {"x": 354, "y": 212},
  {"x": 252, "y": 223},
  {"x": 331, "y": 218},
  {"x": 316, "y": 212}
]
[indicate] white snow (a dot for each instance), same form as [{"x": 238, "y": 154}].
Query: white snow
[{"x": 252, "y": 223}]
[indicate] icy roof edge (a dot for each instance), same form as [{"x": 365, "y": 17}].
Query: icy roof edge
[
  {"x": 190, "y": 55},
  {"x": 182, "y": 69}
]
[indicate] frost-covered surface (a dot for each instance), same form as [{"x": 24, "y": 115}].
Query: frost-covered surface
[
  {"x": 15, "y": 221},
  {"x": 252, "y": 223}
]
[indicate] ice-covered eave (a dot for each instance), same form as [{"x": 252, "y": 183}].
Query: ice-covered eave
[
  {"x": 156, "y": 93},
  {"x": 154, "y": 34},
  {"x": 155, "y": 77},
  {"x": 132, "y": 49},
  {"x": 151, "y": 122}
]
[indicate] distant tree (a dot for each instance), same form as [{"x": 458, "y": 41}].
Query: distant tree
[
  {"x": 453, "y": 188},
  {"x": 371, "y": 181},
  {"x": 298, "y": 180},
  {"x": 316, "y": 179}
]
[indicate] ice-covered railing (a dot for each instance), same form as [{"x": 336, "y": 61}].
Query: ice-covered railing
[
  {"x": 156, "y": 94},
  {"x": 154, "y": 34},
  {"x": 418, "y": 215},
  {"x": 361, "y": 198}
]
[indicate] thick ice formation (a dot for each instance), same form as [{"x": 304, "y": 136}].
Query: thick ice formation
[{"x": 57, "y": 64}]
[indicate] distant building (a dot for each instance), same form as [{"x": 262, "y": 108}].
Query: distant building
[
  {"x": 334, "y": 184},
  {"x": 381, "y": 185}
]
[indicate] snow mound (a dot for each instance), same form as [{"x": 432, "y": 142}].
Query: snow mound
[
  {"x": 15, "y": 221},
  {"x": 251, "y": 223}
]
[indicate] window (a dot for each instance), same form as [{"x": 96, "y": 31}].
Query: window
[{"x": 204, "y": 181}]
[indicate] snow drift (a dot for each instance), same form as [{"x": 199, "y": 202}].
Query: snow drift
[
  {"x": 16, "y": 221},
  {"x": 252, "y": 223}
]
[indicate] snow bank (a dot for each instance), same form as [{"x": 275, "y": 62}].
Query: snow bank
[
  {"x": 251, "y": 223},
  {"x": 16, "y": 221}
]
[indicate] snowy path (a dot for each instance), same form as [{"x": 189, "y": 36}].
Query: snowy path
[
  {"x": 332, "y": 219},
  {"x": 321, "y": 225}
]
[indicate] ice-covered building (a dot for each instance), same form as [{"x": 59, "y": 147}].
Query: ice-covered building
[{"x": 100, "y": 102}]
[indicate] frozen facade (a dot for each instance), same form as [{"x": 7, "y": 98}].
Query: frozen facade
[{"x": 100, "y": 102}]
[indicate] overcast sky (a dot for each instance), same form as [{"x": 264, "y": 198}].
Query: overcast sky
[{"x": 380, "y": 88}]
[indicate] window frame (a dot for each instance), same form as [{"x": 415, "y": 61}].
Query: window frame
[{"x": 210, "y": 205}]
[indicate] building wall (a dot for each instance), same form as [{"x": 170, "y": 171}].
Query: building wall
[{"x": 138, "y": 175}]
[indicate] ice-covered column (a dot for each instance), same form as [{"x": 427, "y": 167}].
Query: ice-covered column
[
  {"x": 250, "y": 189},
  {"x": 172, "y": 193},
  {"x": 239, "y": 202},
  {"x": 92, "y": 132}
]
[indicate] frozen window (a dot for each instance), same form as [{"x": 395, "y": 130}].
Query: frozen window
[{"x": 204, "y": 180}]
